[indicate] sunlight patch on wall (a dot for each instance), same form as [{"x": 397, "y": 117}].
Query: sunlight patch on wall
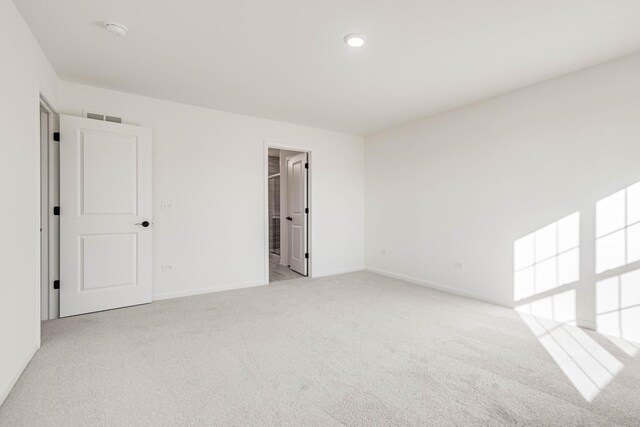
[
  {"x": 618, "y": 229},
  {"x": 618, "y": 306},
  {"x": 547, "y": 258}
]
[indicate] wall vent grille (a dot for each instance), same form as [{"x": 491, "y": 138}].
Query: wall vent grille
[
  {"x": 95, "y": 116},
  {"x": 113, "y": 119},
  {"x": 104, "y": 118}
]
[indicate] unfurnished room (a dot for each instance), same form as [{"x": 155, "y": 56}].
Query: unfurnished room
[{"x": 319, "y": 213}]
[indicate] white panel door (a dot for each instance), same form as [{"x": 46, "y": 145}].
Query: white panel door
[
  {"x": 105, "y": 215},
  {"x": 297, "y": 189}
]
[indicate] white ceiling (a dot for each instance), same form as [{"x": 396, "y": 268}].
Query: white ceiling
[{"x": 285, "y": 59}]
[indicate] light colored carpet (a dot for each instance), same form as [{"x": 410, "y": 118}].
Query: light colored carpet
[{"x": 355, "y": 349}]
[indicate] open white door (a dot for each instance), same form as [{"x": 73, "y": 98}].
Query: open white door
[
  {"x": 298, "y": 210},
  {"x": 105, "y": 215}
]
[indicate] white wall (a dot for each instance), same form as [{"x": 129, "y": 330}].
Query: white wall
[
  {"x": 210, "y": 165},
  {"x": 464, "y": 185},
  {"x": 24, "y": 73}
]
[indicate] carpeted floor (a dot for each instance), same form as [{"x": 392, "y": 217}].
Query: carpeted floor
[{"x": 355, "y": 349}]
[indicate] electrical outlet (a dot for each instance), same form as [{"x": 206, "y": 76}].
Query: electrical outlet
[
  {"x": 458, "y": 264},
  {"x": 166, "y": 268}
]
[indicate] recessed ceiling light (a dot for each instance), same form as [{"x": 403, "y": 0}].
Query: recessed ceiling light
[
  {"x": 115, "y": 28},
  {"x": 354, "y": 40}
]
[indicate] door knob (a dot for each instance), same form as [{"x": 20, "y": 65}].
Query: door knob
[
  {"x": 289, "y": 218},
  {"x": 144, "y": 223}
]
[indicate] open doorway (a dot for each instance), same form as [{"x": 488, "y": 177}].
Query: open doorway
[{"x": 287, "y": 214}]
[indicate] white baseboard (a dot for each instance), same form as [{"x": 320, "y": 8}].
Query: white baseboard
[
  {"x": 208, "y": 290},
  {"x": 587, "y": 324},
  {"x": 4, "y": 393},
  {"x": 436, "y": 286},
  {"x": 336, "y": 272}
]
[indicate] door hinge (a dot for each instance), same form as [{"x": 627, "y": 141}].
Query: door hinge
[
  {"x": 56, "y": 210},
  {"x": 306, "y": 255},
  {"x": 306, "y": 210},
  {"x": 56, "y": 284},
  {"x": 306, "y": 165},
  {"x": 56, "y": 136}
]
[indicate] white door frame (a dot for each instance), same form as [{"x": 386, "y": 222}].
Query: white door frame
[
  {"x": 265, "y": 177},
  {"x": 49, "y": 197}
]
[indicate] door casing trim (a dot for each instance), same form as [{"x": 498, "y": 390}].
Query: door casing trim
[
  {"x": 51, "y": 251},
  {"x": 265, "y": 177}
]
